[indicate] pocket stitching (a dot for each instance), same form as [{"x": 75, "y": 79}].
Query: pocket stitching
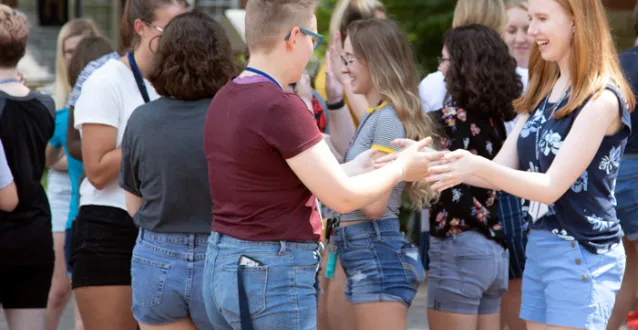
[
  {"x": 408, "y": 267},
  {"x": 164, "y": 267},
  {"x": 262, "y": 293}
]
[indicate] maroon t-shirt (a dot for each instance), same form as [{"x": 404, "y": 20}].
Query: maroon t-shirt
[{"x": 251, "y": 129}]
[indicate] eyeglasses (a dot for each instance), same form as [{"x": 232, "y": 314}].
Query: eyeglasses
[
  {"x": 347, "y": 60},
  {"x": 442, "y": 59},
  {"x": 159, "y": 29},
  {"x": 316, "y": 38}
]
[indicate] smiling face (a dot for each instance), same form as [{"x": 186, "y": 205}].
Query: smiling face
[
  {"x": 519, "y": 42},
  {"x": 357, "y": 68},
  {"x": 552, "y": 29}
]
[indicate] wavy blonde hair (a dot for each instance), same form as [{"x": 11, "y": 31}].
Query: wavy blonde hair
[
  {"x": 490, "y": 13},
  {"x": 593, "y": 62},
  {"x": 73, "y": 28},
  {"x": 387, "y": 52}
]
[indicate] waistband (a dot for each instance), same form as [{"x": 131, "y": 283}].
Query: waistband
[
  {"x": 172, "y": 238},
  {"x": 374, "y": 227},
  {"x": 217, "y": 238}
]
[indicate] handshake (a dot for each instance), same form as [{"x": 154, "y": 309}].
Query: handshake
[{"x": 442, "y": 169}]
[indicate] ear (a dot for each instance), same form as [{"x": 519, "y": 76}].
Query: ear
[
  {"x": 139, "y": 27},
  {"x": 292, "y": 37}
]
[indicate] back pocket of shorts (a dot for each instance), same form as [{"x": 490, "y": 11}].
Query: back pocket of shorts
[
  {"x": 148, "y": 278},
  {"x": 411, "y": 263},
  {"x": 476, "y": 274},
  {"x": 254, "y": 279}
]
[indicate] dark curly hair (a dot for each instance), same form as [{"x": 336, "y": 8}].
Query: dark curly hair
[
  {"x": 482, "y": 76},
  {"x": 194, "y": 58}
]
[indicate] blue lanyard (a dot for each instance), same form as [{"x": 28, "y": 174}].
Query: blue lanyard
[
  {"x": 263, "y": 74},
  {"x": 11, "y": 80},
  {"x": 138, "y": 78}
]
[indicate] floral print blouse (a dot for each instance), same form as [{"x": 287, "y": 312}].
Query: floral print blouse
[
  {"x": 465, "y": 207},
  {"x": 587, "y": 211}
]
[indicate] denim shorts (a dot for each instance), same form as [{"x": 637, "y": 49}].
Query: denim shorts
[
  {"x": 282, "y": 292},
  {"x": 565, "y": 285},
  {"x": 381, "y": 265},
  {"x": 627, "y": 196},
  {"x": 468, "y": 274},
  {"x": 511, "y": 216},
  {"x": 167, "y": 273}
]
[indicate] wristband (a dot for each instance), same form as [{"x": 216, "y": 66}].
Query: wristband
[{"x": 336, "y": 106}]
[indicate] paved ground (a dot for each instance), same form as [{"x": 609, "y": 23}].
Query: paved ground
[{"x": 417, "y": 319}]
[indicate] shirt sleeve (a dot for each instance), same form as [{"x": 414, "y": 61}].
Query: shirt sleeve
[
  {"x": 5, "y": 172},
  {"x": 98, "y": 103},
  {"x": 389, "y": 127},
  {"x": 129, "y": 174},
  {"x": 289, "y": 127},
  {"x": 432, "y": 91}
]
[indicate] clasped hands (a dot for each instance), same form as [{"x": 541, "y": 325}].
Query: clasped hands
[{"x": 443, "y": 169}]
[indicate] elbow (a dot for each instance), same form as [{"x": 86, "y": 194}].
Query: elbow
[
  {"x": 374, "y": 211},
  {"x": 96, "y": 179}
]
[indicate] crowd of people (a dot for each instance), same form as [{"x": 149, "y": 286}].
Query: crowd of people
[{"x": 189, "y": 190}]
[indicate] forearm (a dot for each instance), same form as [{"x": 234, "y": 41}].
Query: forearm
[
  {"x": 478, "y": 182},
  {"x": 74, "y": 142},
  {"x": 341, "y": 129},
  {"x": 61, "y": 165},
  {"x": 106, "y": 170},
  {"x": 528, "y": 185},
  {"x": 358, "y": 103},
  {"x": 365, "y": 189},
  {"x": 133, "y": 203}
]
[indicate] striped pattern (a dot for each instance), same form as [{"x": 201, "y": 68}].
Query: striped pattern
[
  {"x": 511, "y": 216},
  {"x": 377, "y": 129},
  {"x": 86, "y": 72}
]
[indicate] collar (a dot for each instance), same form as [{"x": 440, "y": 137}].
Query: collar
[{"x": 379, "y": 106}]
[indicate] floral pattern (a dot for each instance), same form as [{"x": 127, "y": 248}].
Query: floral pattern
[
  {"x": 464, "y": 207},
  {"x": 586, "y": 211}
]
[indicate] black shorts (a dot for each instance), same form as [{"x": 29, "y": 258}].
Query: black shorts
[
  {"x": 102, "y": 247},
  {"x": 25, "y": 286}
]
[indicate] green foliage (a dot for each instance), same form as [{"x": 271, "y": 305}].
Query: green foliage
[{"x": 424, "y": 21}]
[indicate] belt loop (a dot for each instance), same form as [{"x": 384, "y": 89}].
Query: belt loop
[
  {"x": 215, "y": 237},
  {"x": 377, "y": 230},
  {"x": 140, "y": 234},
  {"x": 191, "y": 241},
  {"x": 341, "y": 231},
  {"x": 282, "y": 249}
]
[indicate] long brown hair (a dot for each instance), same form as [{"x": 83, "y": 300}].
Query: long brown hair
[
  {"x": 593, "y": 62},
  {"x": 387, "y": 52}
]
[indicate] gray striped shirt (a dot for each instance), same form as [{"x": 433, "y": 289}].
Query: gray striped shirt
[{"x": 377, "y": 129}]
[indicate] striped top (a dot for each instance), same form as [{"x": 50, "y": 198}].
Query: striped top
[
  {"x": 86, "y": 72},
  {"x": 379, "y": 126}
]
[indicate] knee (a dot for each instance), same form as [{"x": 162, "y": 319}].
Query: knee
[{"x": 59, "y": 296}]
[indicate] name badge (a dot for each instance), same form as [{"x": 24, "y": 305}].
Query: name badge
[{"x": 537, "y": 210}]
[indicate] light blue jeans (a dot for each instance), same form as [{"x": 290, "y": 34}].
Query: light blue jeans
[
  {"x": 166, "y": 277},
  {"x": 282, "y": 293},
  {"x": 568, "y": 286}
]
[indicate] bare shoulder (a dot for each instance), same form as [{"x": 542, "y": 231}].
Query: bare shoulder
[{"x": 606, "y": 105}]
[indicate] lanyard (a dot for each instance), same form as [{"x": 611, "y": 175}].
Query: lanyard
[
  {"x": 542, "y": 126},
  {"x": 10, "y": 80},
  {"x": 138, "y": 78},
  {"x": 263, "y": 74}
]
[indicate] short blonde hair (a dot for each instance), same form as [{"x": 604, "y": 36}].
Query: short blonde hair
[
  {"x": 74, "y": 28},
  {"x": 490, "y": 13},
  {"x": 522, "y": 4},
  {"x": 14, "y": 32},
  {"x": 268, "y": 21}
]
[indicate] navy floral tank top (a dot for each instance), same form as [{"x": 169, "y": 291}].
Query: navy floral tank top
[{"x": 587, "y": 211}]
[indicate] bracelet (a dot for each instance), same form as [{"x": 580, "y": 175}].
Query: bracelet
[{"x": 336, "y": 106}]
